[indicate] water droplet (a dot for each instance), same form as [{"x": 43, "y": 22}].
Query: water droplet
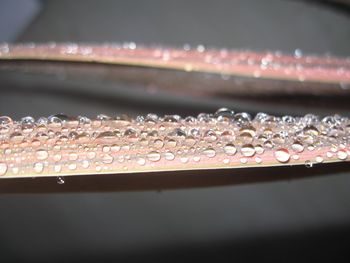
[
  {"x": 158, "y": 143},
  {"x": 153, "y": 156},
  {"x": 258, "y": 159},
  {"x": 298, "y": 53},
  {"x": 38, "y": 167},
  {"x": 5, "y": 120},
  {"x": 141, "y": 161},
  {"x": 72, "y": 166},
  {"x": 171, "y": 119},
  {"x": 243, "y": 160},
  {"x": 242, "y": 119},
  {"x": 224, "y": 114},
  {"x": 16, "y": 137},
  {"x": 248, "y": 150},
  {"x": 295, "y": 157},
  {"x": 27, "y": 124},
  {"x": 282, "y": 155},
  {"x": 244, "y": 138},
  {"x": 106, "y": 148},
  {"x": 342, "y": 155},
  {"x": 210, "y": 136},
  {"x": 169, "y": 156},
  {"x": 57, "y": 168},
  {"x": 41, "y": 154},
  {"x": 85, "y": 164},
  {"x": 196, "y": 158},
  {"x": 309, "y": 164},
  {"x": 209, "y": 152},
  {"x": 297, "y": 147},
  {"x": 226, "y": 161},
  {"x": 329, "y": 154},
  {"x": 60, "y": 180},
  {"x": 3, "y": 168},
  {"x": 106, "y": 137},
  {"x": 311, "y": 130},
  {"x": 107, "y": 159},
  {"x": 288, "y": 120},
  {"x": 55, "y": 121},
  {"x": 259, "y": 149},
  {"x": 184, "y": 159},
  {"x": 73, "y": 156},
  {"x": 230, "y": 149},
  {"x": 319, "y": 159}
]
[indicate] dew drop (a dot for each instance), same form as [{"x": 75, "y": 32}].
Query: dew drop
[
  {"x": 242, "y": 119},
  {"x": 73, "y": 156},
  {"x": 60, "y": 180},
  {"x": 226, "y": 161},
  {"x": 298, "y": 53},
  {"x": 107, "y": 159},
  {"x": 141, "y": 161},
  {"x": 41, "y": 154},
  {"x": 184, "y": 159},
  {"x": 106, "y": 148},
  {"x": 38, "y": 167},
  {"x": 243, "y": 160},
  {"x": 72, "y": 166},
  {"x": 57, "y": 168},
  {"x": 319, "y": 159},
  {"x": 169, "y": 156},
  {"x": 259, "y": 149},
  {"x": 282, "y": 155},
  {"x": 342, "y": 155},
  {"x": 329, "y": 154},
  {"x": 3, "y": 168},
  {"x": 230, "y": 149},
  {"x": 297, "y": 147},
  {"x": 91, "y": 155},
  {"x": 85, "y": 164},
  {"x": 248, "y": 150},
  {"x": 5, "y": 120},
  {"x": 258, "y": 159},
  {"x": 309, "y": 164},
  {"x": 209, "y": 152},
  {"x": 153, "y": 156},
  {"x": 57, "y": 157},
  {"x": 158, "y": 143},
  {"x": 295, "y": 157},
  {"x": 196, "y": 158},
  {"x": 115, "y": 148}
]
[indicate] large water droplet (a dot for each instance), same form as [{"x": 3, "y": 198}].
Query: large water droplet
[
  {"x": 209, "y": 152},
  {"x": 248, "y": 150},
  {"x": 297, "y": 147},
  {"x": 342, "y": 155},
  {"x": 169, "y": 156},
  {"x": 153, "y": 156},
  {"x": 230, "y": 149},
  {"x": 282, "y": 155}
]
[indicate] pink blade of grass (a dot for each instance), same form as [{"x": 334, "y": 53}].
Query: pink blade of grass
[
  {"x": 62, "y": 146},
  {"x": 325, "y": 71}
]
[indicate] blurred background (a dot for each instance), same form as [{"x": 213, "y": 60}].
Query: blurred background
[{"x": 289, "y": 221}]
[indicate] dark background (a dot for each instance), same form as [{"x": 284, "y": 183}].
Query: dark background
[{"x": 287, "y": 221}]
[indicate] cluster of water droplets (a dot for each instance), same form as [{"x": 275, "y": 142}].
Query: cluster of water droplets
[{"x": 60, "y": 145}]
